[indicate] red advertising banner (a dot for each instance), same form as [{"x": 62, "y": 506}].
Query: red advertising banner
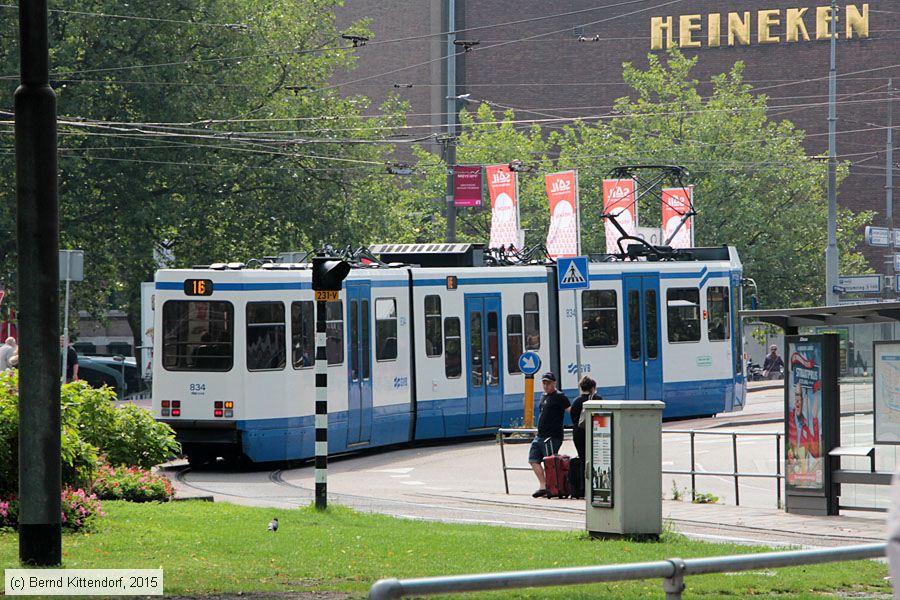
[
  {"x": 503, "y": 190},
  {"x": 675, "y": 203},
  {"x": 562, "y": 193},
  {"x": 619, "y": 199},
  {"x": 467, "y": 185}
]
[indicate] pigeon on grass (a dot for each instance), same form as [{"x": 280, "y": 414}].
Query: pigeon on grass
[{"x": 273, "y": 524}]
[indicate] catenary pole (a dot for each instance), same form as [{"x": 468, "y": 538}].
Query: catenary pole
[
  {"x": 831, "y": 250},
  {"x": 889, "y": 194},
  {"x": 37, "y": 227},
  {"x": 452, "y": 100}
]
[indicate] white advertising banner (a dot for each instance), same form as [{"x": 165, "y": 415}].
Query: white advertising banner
[
  {"x": 503, "y": 190},
  {"x": 562, "y": 194},
  {"x": 619, "y": 200}
]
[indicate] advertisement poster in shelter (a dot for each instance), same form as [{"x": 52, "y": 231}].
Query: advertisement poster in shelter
[
  {"x": 804, "y": 463},
  {"x": 887, "y": 392},
  {"x": 503, "y": 190},
  {"x": 467, "y": 185},
  {"x": 619, "y": 200},
  {"x": 562, "y": 194},
  {"x": 676, "y": 202},
  {"x": 601, "y": 460}
]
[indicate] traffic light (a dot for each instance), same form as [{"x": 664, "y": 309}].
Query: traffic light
[{"x": 328, "y": 273}]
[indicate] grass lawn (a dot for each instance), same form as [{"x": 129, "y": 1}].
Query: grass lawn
[{"x": 218, "y": 548}]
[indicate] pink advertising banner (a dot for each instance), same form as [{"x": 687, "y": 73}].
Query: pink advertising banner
[
  {"x": 562, "y": 193},
  {"x": 467, "y": 185},
  {"x": 675, "y": 203},
  {"x": 503, "y": 190},
  {"x": 619, "y": 199}
]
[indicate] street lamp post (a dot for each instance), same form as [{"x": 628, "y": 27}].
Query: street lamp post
[{"x": 831, "y": 250}]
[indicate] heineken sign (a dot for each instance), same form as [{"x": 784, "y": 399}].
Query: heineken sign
[{"x": 772, "y": 26}]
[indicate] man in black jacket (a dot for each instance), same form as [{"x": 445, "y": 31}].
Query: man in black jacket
[
  {"x": 554, "y": 405},
  {"x": 773, "y": 365}
]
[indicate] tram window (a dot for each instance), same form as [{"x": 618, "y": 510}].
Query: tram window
[
  {"x": 198, "y": 335},
  {"x": 634, "y": 324},
  {"x": 532, "y": 322},
  {"x": 514, "y": 342},
  {"x": 599, "y": 318},
  {"x": 683, "y": 314},
  {"x": 265, "y": 336},
  {"x": 385, "y": 329},
  {"x": 433, "y": 334},
  {"x": 334, "y": 332},
  {"x": 650, "y": 311},
  {"x": 303, "y": 334},
  {"x": 717, "y": 309},
  {"x": 453, "y": 347}
]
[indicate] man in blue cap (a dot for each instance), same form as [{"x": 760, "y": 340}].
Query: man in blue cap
[{"x": 554, "y": 405}]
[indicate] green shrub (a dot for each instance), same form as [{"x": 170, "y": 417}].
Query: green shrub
[
  {"x": 90, "y": 425},
  {"x": 131, "y": 483}
]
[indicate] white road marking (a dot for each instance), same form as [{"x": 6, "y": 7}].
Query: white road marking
[
  {"x": 413, "y": 482},
  {"x": 398, "y": 471}
]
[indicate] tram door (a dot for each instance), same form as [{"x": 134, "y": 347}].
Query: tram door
[
  {"x": 359, "y": 357},
  {"x": 643, "y": 363},
  {"x": 484, "y": 360}
]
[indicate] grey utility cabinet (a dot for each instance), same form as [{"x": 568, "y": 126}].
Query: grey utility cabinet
[{"x": 623, "y": 485}]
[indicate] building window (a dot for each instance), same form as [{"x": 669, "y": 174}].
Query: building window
[
  {"x": 265, "y": 336},
  {"x": 303, "y": 334},
  {"x": 453, "y": 347},
  {"x": 532, "y": 322},
  {"x": 385, "y": 329},
  {"x": 718, "y": 327},
  {"x": 514, "y": 342},
  {"x": 433, "y": 334},
  {"x": 683, "y": 312},
  {"x": 599, "y": 318},
  {"x": 198, "y": 335},
  {"x": 334, "y": 332}
]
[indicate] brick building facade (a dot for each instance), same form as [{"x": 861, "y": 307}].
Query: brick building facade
[{"x": 533, "y": 61}]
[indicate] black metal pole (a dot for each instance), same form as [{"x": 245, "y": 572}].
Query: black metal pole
[
  {"x": 40, "y": 539},
  {"x": 321, "y": 408}
]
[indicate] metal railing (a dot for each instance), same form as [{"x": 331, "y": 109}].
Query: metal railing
[
  {"x": 693, "y": 472},
  {"x": 672, "y": 571},
  {"x": 736, "y": 474}
]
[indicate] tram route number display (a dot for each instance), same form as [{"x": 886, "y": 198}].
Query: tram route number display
[
  {"x": 601, "y": 460},
  {"x": 327, "y": 295},
  {"x": 198, "y": 287}
]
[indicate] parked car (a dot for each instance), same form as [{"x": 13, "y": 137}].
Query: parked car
[{"x": 118, "y": 372}]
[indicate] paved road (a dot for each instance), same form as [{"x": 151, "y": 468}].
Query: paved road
[{"x": 463, "y": 483}]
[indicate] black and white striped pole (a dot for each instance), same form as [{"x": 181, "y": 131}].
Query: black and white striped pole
[{"x": 328, "y": 275}]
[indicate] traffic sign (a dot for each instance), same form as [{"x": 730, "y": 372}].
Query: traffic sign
[
  {"x": 529, "y": 363},
  {"x": 327, "y": 295},
  {"x": 860, "y": 283},
  {"x": 838, "y": 289},
  {"x": 572, "y": 273},
  {"x": 878, "y": 236}
]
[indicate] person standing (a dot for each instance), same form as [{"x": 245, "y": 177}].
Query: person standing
[
  {"x": 553, "y": 408},
  {"x": 773, "y": 365},
  {"x": 588, "y": 389},
  {"x": 71, "y": 360},
  {"x": 7, "y": 351}
]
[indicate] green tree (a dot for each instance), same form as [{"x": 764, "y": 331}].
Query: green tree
[
  {"x": 212, "y": 125},
  {"x": 755, "y": 187}
]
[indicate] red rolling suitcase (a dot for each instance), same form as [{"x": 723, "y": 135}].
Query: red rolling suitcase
[{"x": 556, "y": 472}]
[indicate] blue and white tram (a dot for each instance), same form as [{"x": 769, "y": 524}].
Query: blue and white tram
[{"x": 428, "y": 348}]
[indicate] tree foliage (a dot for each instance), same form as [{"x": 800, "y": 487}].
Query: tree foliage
[
  {"x": 755, "y": 186},
  {"x": 212, "y": 125}
]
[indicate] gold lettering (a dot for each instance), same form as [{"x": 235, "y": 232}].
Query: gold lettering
[
  {"x": 657, "y": 26},
  {"x": 857, "y": 23},
  {"x": 714, "y": 30},
  {"x": 765, "y": 21},
  {"x": 824, "y": 19},
  {"x": 687, "y": 25},
  {"x": 739, "y": 29},
  {"x": 795, "y": 25}
]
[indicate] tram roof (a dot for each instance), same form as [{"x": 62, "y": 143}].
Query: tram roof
[{"x": 845, "y": 314}]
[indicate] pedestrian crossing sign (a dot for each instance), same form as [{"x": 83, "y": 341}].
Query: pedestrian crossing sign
[{"x": 572, "y": 273}]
